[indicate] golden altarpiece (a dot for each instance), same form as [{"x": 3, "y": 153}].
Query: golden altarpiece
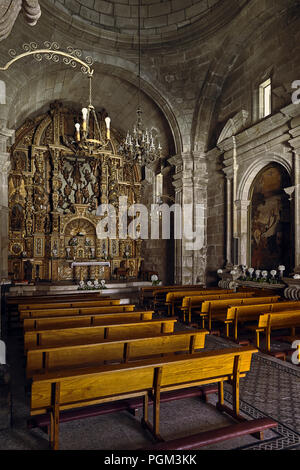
[{"x": 54, "y": 190}]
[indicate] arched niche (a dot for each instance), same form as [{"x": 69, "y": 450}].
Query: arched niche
[{"x": 270, "y": 221}]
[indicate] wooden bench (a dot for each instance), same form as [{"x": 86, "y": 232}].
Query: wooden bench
[
  {"x": 246, "y": 313},
  {"x": 195, "y": 301},
  {"x": 44, "y": 360},
  {"x": 159, "y": 296},
  {"x": 217, "y": 309},
  {"x": 175, "y": 298},
  {"x": 71, "y": 389},
  {"x": 53, "y": 298},
  {"x": 63, "y": 312},
  {"x": 151, "y": 289},
  {"x": 276, "y": 321},
  {"x": 92, "y": 334},
  {"x": 191, "y": 303},
  {"x": 73, "y": 304},
  {"x": 31, "y": 324}
]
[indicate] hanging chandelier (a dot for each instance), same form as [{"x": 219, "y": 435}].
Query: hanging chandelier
[
  {"x": 86, "y": 139},
  {"x": 141, "y": 146}
]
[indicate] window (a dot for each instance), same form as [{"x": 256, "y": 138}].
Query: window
[{"x": 265, "y": 101}]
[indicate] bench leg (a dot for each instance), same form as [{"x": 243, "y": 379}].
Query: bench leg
[
  {"x": 257, "y": 338},
  {"x": 54, "y": 426}
]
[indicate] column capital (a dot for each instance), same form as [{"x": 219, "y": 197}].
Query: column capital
[
  {"x": 242, "y": 204},
  {"x": 7, "y": 137}
]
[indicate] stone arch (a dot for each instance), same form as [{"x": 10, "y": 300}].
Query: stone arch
[
  {"x": 248, "y": 178},
  {"x": 120, "y": 69}
]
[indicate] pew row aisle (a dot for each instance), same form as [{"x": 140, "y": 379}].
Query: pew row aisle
[{"x": 91, "y": 360}]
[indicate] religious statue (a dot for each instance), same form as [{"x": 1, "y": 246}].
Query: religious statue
[
  {"x": 78, "y": 197},
  {"x": 28, "y": 270}
]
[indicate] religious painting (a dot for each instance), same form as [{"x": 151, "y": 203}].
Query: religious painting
[{"x": 271, "y": 238}]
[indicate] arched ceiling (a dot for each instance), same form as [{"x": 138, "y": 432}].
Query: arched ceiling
[
  {"x": 115, "y": 95},
  {"x": 162, "y": 21}
]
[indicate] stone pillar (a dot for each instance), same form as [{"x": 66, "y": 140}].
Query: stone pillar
[
  {"x": 177, "y": 183},
  {"x": 190, "y": 183},
  {"x": 295, "y": 144},
  {"x": 242, "y": 230},
  {"x": 229, "y": 228},
  {"x": 200, "y": 218},
  {"x": 6, "y": 136}
]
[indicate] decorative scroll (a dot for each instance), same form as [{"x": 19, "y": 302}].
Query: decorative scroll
[{"x": 52, "y": 52}]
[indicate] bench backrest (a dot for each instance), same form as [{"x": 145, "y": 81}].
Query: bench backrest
[
  {"x": 70, "y": 304},
  {"x": 47, "y": 359},
  {"x": 215, "y": 305},
  {"x": 179, "y": 295},
  {"x": 285, "y": 318},
  {"x": 62, "y": 312},
  {"x": 73, "y": 389},
  {"x": 92, "y": 334},
  {"x": 251, "y": 311},
  {"x": 31, "y": 324},
  {"x": 67, "y": 297}
]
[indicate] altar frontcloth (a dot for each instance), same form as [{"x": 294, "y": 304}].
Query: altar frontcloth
[{"x": 90, "y": 263}]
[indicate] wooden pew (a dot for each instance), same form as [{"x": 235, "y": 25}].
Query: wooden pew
[
  {"x": 159, "y": 296},
  {"x": 43, "y": 360},
  {"x": 77, "y": 388},
  {"x": 72, "y": 304},
  {"x": 175, "y": 298},
  {"x": 268, "y": 322},
  {"x": 245, "y": 313},
  {"x": 151, "y": 289},
  {"x": 62, "y": 297},
  {"x": 92, "y": 334},
  {"x": 14, "y": 303},
  {"x": 31, "y": 324},
  {"x": 62, "y": 312},
  {"x": 217, "y": 309},
  {"x": 195, "y": 301}
]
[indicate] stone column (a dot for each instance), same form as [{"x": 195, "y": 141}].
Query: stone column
[
  {"x": 200, "y": 218},
  {"x": 190, "y": 183},
  {"x": 229, "y": 199},
  {"x": 6, "y": 136},
  {"x": 295, "y": 144},
  {"x": 177, "y": 183},
  {"x": 242, "y": 230}
]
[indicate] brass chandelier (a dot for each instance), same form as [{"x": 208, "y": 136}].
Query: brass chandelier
[
  {"x": 140, "y": 146},
  {"x": 91, "y": 144}
]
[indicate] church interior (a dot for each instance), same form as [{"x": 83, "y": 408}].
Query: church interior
[{"x": 149, "y": 225}]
